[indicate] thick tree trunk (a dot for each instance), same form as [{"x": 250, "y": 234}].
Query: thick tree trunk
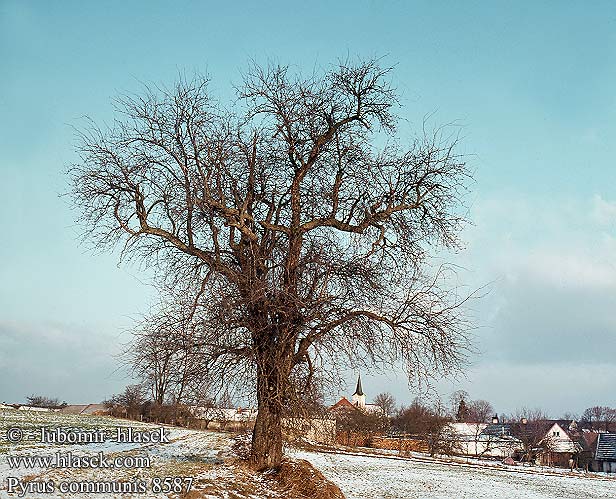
[
  {"x": 267, "y": 438},
  {"x": 272, "y": 381}
]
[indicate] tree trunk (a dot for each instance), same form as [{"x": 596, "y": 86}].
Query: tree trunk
[
  {"x": 272, "y": 380},
  {"x": 267, "y": 438}
]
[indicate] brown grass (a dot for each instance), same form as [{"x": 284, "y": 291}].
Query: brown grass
[{"x": 298, "y": 479}]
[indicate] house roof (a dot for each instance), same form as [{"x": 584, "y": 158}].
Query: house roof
[
  {"x": 94, "y": 409},
  {"x": 343, "y": 403},
  {"x": 606, "y": 447},
  {"x": 74, "y": 409},
  {"x": 520, "y": 429},
  {"x": 84, "y": 409},
  {"x": 467, "y": 429},
  {"x": 588, "y": 440},
  {"x": 358, "y": 389},
  {"x": 569, "y": 427},
  {"x": 497, "y": 429}
]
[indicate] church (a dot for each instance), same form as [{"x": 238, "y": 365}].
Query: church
[{"x": 358, "y": 401}]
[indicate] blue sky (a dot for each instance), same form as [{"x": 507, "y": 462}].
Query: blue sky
[{"x": 529, "y": 84}]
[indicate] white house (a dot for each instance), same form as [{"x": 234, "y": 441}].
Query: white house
[
  {"x": 483, "y": 440},
  {"x": 220, "y": 417},
  {"x": 558, "y": 438},
  {"x": 36, "y": 409}
]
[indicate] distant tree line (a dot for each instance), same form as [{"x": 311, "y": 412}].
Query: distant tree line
[
  {"x": 45, "y": 402},
  {"x": 134, "y": 403}
]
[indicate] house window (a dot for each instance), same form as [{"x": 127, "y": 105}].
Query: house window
[{"x": 556, "y": 434}]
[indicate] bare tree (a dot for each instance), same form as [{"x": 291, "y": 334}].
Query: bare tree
[
  {"x": 301, "y": 221},
  {"x": 129, "y": 403},
  {"x": 42, "y": 401},
  {"x": 467, "y": 410},
  {"x": 479, "y": 411},
  {"x": 386, "y": 402},
  {"x": 151, "y": 356},
  {"x": 530, "y": 427},
  {"x": 458, "y": 400},
  {"x": 600, "y": 418},
  {"x": 356, "y": 427},
  {"x": 164, "y": 355},
  {"x": 570, "y": 416},
  {"x": 429, "y": 424},
  {"x": 408, "y": 419}
]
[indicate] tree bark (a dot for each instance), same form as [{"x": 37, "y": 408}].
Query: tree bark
[
  {"x": 267, "y": 437},
  {"x": 273, "y": 376}
]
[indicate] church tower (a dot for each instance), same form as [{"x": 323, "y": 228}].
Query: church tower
[{"x": 359, "y": 399}]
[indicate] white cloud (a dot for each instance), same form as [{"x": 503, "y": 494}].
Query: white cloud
[
  {"x": 549, "y": 322},
  {"x": 603, "y": 212},
  {"x": 577, "y": 269}
]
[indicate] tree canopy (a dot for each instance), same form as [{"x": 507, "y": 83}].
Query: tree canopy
[{"x": 292, "y": 227}]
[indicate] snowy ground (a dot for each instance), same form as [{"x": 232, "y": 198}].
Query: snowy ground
[
  {"x": 207, "y": 457},
  {"x": 203, "y": 455},
  {"x": 380, "y": 477}
]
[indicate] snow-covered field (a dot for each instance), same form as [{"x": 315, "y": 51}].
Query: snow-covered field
[
  {"x": 189, "y": 453},
  {"x": 380, "y": 477},
  {"x": 207, "y": 456}
]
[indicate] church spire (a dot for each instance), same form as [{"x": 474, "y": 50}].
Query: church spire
[
  {"x": 359, "y": 398},
  {"x": 358, "y": 389}
]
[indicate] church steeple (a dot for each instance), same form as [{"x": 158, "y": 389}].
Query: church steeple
[
  {"x": 359, "y": 398},
  {"x": 358, "y": 390}
]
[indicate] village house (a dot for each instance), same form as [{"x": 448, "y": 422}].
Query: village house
[
  {"x": 561, "y": 443},
  {"x": 605, "y": 454},
  {"x": 223, "y": 418},
  {"x": 316, "y": 429},
  {"x": 321, "y": 430},
  {"x": 550, "y": 442},
  {"x": 484, "y": 440}
]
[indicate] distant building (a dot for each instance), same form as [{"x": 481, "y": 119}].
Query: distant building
[
  {"x": 483, "y": 440},
  {"x": 358, "y": 401},
  {"x": 87, "y": 409},
  {"x": 605, "y": 454},
  {"x": 494, "y": 440},
  {"x": 561, "y": 442},
  {"x": 229, "y": 418},
  {"x": 322, "y": 430},
  {"x": 315, "y": 429},
  {"x": 342, "y": 404},
  {"x": 553, "y": 442},
  {"x": 36, "y": 409}
]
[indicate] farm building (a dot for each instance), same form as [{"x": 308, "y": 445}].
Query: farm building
[
  {"x": 89, "y": 409},
  {"x": 562, "y": 442},
  {"x": 483, "y": 440},
  {"x": 605, "y": 455}
]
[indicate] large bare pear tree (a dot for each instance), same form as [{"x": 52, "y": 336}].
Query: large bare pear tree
[{"x": 300, "y": 219}]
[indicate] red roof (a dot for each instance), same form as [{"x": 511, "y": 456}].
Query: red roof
[
  {"x": 590, "y": 441},
  {"x": 343, "y": 403}
]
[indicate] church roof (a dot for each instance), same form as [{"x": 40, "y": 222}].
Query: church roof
[
  {"x": 343, "y": 403},
  {"x": 358, "y": 390}
]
